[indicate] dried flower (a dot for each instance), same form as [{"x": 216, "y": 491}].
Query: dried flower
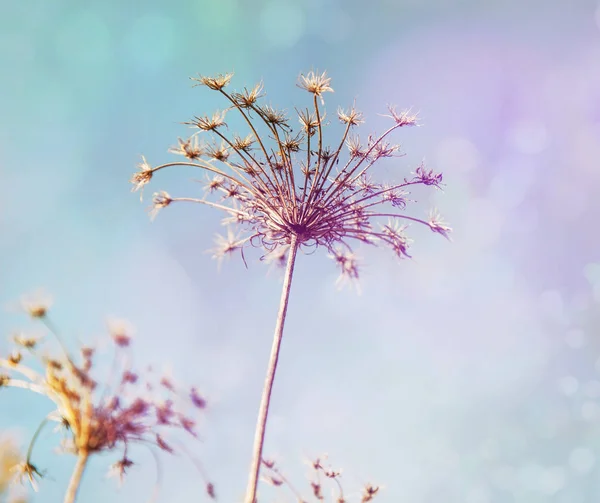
[
  {"x": 99, "y": 421},
  {"x": 189, "y": 148},
  {"x": 27, "y": 472},
  {"x": 142, "y": 177},
  {"x": 291, "y": 193},
  {"x": 315, "y": 83},
  {"x": 215, "y": 83}
]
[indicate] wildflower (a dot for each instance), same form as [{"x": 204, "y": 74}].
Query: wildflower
[
  {"x": 213, "y": 123},
  {"x": 189, "y": 148},
  {"x": 142, "y": 177},
  {"x": 291, "y": 193},
  {"x": 98, "y": 422},
  {"x": 272, "y": 116},
  {"x": 26, "y": 471},
  {"x": 369, "y": 492},
  {"x": 247, "y": 99},
  {"x": 196, "y": 399},
  {"x": 215, "y": 83},
  {"x": 315, "y": 83},
  {"x": 243, "y": 144},
  {"x": 159, "y": 200},
  {"x": 403, "y": 118},
  {"x": 351, "y": 117},
  {"x": 348, "y": 266},
  {"x": 37, "y": 304},
  {"x": 436, "y": 224},
  {"x": 120, "y": 331},
  {"x": 119, "y": 469}
]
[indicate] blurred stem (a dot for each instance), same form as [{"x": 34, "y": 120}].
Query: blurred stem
[
  {"x": 263, "y": 412},
  {"x": 82, "y": 459}
]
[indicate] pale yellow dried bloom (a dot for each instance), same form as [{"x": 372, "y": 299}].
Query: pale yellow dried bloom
[
  {"x": 315, "y": 83},
  {"x": 215, "y": 83},
  {"x": 140, "y": 178}
]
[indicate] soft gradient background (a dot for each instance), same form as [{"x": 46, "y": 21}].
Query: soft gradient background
[{"x": 467, "y": 375}]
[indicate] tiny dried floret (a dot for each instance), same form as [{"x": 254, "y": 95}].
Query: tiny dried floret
[
  {"x": 206, "y": 123},
  {"x": 215, "y": 83},
  {"x": 315, "y": 83},
  {"x": 247, "y": 99},
  {"x": 27, "y": 472},
  {"x": 189, "y": 148},
  {"x": 160, "y": 200},
  {"x": 352, "y": 117},
  {"x": 142, "y": 177},
  {"x": 403, "y": 118}
]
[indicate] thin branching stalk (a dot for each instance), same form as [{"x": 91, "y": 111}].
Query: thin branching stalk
[
  {"x": 82, "y": 459},
  {"x": 263, "y": 412},
  {"x": 301, "y": 194}
]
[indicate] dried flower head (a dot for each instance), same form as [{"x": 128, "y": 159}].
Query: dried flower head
[
  {"x": 322, "y": 481},
  {"x": 103, "y": 408},
  {"x": 285, "y": 189},
  {"x": 315, "y": 83}
]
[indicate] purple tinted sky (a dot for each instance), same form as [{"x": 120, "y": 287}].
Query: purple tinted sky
[{"x": 466, "y": 373}]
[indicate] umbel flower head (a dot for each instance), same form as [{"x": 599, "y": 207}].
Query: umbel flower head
[
  {"x": 108, "y": 414},
  {"x": 283, "y": 187}
]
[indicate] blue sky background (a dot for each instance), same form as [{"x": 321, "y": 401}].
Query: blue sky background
[{"x": 467, "y": 374}]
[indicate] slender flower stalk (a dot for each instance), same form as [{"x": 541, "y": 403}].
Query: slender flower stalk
[
  {"x": 75, "y": 482},
  {"x": 291, "y": 192},
  {"x": 263, "y": 412}
]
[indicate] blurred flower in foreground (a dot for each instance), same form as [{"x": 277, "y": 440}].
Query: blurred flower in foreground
[
  {"x": 107, "y": 414},
  {"x": 288, "y": 191},
  {"x": 10, "y": 458},
  {"x": 319, "y": 480}
]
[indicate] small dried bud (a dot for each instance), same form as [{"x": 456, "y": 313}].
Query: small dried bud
[
  {"x": 315, "y": 83},
  {"x": 196, "y": 399},
  {"x": 369, "y": 492},
  {"x": 210, "y": 490},
  {"x": 163, "y": 445},
  {"x": 351, "y": 117},
  {"x": 26, "y": 342},
  {"x": 142, "y": 177},
  {"x": 215, "y": 83},
  {"x": 15, "y": 358},
  {"x": 403, "y": 118},
  {"x": 206, "y": 123}
]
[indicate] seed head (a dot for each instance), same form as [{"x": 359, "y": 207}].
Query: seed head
[
  {"x": 215, "y": 83},
  {"x": 277, "y": 187},
  {"x": 315, "y": 83}
]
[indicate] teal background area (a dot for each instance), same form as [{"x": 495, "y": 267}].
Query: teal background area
[{"x": 469, "y": 374}]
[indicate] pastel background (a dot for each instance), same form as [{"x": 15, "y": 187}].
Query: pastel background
[{"x": 467, "y": 375}]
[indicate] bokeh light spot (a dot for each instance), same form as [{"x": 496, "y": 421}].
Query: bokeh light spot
[
  {"x": 582, "y": 459},
  {"x": 282, "y": 23},
  {"x": 151, "y": 40},
  {"x": 84, "y": 39},
  {"x": 575, "y": 338},
  {"x": 528, "y": 137},
  {"x": 568, "y": 385},
  {"x": 457, "y": 155}
]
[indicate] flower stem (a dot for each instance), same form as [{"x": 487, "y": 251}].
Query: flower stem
[
  {"x": 71, "y": 494},
  {"x": 261, "y": 424}
]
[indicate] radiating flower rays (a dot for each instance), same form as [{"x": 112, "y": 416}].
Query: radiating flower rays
[
  {"x": 285, "y": 191},
  {"x": 98, "y": 414},
  {"x": 280, "y": 187}
]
